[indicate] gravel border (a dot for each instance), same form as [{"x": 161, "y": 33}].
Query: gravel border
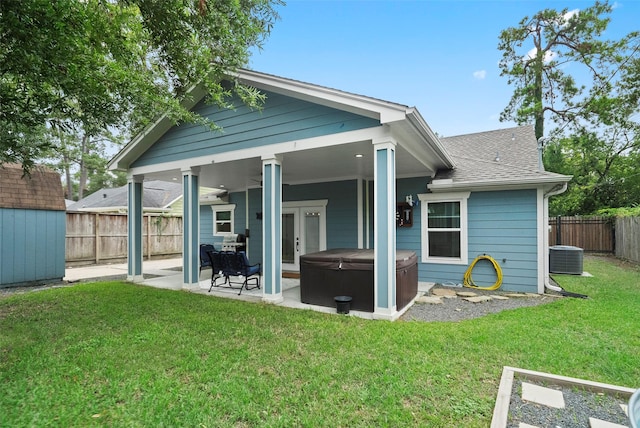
[
  {"x": 457, "y": 309},
  {"x": 580, "y": 405}
]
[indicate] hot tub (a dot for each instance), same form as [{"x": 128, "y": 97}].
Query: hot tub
[{"x": 349, "y": 272}]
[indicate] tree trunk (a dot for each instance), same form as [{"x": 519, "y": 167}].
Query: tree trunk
[
  {"x": 537, "y": 94},
  {"x": 82, "y": 185}
]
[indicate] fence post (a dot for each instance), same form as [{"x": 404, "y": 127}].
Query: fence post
[
  {"x": 97, "y": 237},
  {"x": 559, "y": 230},
  {"x": 148, "y": 236}
]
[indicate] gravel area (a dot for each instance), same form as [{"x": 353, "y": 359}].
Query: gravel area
[
  {"x": 580, "y": 405},
  {"x": 457, "y": 309}
]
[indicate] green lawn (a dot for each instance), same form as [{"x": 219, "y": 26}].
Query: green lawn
[{"x": 117, "y": 354}]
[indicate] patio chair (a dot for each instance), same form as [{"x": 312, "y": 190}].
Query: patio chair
[
  {"x": 237, "y": 264},
  {"x": 205, "y": 261},
  {"x": 217, "y": 264},
  {"x": 634, "y": 409}
]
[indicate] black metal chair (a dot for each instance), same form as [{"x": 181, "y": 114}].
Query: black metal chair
[
  {"x": 205, "y": 260},
  {"x": 238, "y": 265},
  {"x": 215, "y": 258},
  {"x": 235, "y": 264}
]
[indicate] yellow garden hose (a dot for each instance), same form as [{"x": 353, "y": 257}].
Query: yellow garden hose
[{"x": 468, "y": 281}]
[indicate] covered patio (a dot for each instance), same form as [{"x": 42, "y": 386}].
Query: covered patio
[{"x": 306, "y": 134}]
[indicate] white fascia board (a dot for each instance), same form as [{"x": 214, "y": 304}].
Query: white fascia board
[
  {"x": 449, "y": 185},
  {"x": 421, "y": 126},
  {"x": 414, "y": 135},
  {"x": 365, "y": 106}
]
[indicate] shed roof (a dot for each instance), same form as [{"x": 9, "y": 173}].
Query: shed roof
[{"x": 41, "y": 190}]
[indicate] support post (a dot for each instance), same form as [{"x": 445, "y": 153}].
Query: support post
[
  {"x": 97, "y": 237},
  {"x": 191, "y": 229},
  {"x": 134, "y": 220},
  {"x": 272, "y": 228},
  {"x": 384, "y": 236}
]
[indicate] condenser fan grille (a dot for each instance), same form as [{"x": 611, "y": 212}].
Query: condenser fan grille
[{"x": 565, "y": 259}]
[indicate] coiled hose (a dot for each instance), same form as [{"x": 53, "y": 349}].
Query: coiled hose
[{"x": 468, "y": 280}]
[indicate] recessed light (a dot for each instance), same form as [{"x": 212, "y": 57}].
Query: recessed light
[
  {"x": 359, "y": 155},
  {"x": 221, "y": 186}
]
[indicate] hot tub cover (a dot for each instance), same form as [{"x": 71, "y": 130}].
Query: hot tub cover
[{"x": 349, "y": 272}]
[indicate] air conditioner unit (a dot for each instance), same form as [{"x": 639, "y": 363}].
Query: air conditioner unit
[{"x": 565, "y": 259}]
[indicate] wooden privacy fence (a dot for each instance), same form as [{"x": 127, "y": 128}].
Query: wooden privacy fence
[
  {"x": 593, "y": 233},
  {"x": 628, "y": 238},
  {"x": 101, "y": 237}
]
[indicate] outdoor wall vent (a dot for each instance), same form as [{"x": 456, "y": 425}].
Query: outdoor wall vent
[{"x": 565, "y": 259}]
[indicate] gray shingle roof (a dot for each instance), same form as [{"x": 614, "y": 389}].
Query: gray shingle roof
[
  {"x": 156, "y": 194},
  {"x": 501, "y": 156}
]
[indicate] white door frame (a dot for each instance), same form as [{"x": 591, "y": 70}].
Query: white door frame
[{"x": 298, "y": 208}]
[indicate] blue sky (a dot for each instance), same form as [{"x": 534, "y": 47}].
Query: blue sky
[{"x": 439, "y": 56}]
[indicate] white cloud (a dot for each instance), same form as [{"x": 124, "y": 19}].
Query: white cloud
[
  {"x": 480, "y": 74},
  {"x": 567, "y": 16},
  {"x": 548, "y": 56}
]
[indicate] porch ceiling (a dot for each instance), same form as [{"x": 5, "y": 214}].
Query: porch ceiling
[{"x": 304, "y": 166}]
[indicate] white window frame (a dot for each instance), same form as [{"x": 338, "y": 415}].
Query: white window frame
[
  {"x": 223, "y": 208},
  {"x": 461, "y": 198}
]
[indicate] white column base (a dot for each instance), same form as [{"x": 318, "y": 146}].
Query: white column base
[{"x": 273, "y": 299}]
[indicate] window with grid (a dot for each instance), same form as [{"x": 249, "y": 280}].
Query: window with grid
[
  {"x": 223, "y": 219},
  {"x": 444, "y": 230}
]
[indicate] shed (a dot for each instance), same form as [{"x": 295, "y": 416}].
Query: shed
[{"x": 32, "y": 226}]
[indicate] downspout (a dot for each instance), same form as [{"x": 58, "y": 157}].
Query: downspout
[{"x": 556, "y": 190}]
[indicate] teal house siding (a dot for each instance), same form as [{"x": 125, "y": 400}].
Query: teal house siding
[
  {"x": 281, "y": 119},
  {"x": 206, "y": 220},
  {"x": 409, "y": 238},
  {"x": 206, "y": 227},
  {"x": 502, "y": 225},
  {"x": 32, "y": 244},
  {"x": 341, "y": 212},
  {"x": 342, "y": 209}
]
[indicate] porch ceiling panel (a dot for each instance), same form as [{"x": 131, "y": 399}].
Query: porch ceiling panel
[{"x": 304, "y": 166}]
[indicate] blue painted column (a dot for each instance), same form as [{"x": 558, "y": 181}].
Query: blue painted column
[
  {"x": 272, "y": 229},
  {"x": 190, "y": 229},
  {"x": 134, "y": 220},
  {"x": 384, "y": 230}
]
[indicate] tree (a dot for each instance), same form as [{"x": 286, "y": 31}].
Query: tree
[
  {"x": 603, "y": 177},
  {"x": 70, "y": 65},
  {"x": 82, "y": 159},
  {"x": 541, "y": 83},
  {"x": 597, "y": 138}
]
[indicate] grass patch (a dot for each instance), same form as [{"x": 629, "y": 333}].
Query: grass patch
[{"x": 118, "y": 354}]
